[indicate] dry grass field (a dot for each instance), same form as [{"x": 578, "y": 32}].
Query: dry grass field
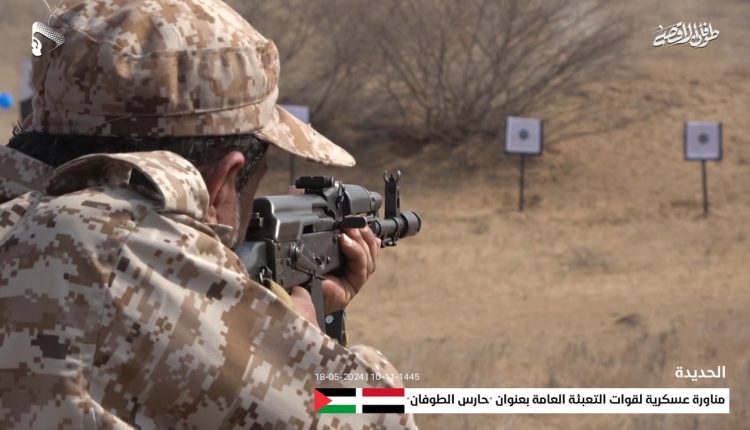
[{"x": 611, "y": 277}]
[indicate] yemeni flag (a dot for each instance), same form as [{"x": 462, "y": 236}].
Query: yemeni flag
[{"x": 359, "y": 400}]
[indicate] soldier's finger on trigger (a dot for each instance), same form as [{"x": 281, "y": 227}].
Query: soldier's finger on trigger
[
  {"x": 356, "y": 256},
  {"x": 359, "y": 238},
  {"x": 356, "y": 235},
  {"x": 373, "y": 246}
]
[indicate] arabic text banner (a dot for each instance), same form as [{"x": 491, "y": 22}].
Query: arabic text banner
[{"x": 524, "y": 400}]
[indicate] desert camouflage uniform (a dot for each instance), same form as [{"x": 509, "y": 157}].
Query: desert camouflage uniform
[{"x": 118, "y": 309}]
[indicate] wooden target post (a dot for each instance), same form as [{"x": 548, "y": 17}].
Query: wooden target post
[
  {"x": 703, "y": 143},
  {"x": 523, "y": 136}
]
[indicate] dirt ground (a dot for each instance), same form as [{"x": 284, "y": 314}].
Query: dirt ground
[{"x": 610, "y": 278}]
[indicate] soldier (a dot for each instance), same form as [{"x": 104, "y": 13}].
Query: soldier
[{"x": 122, "y": 304}]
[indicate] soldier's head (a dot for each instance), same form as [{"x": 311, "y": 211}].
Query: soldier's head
[{"x": 190, "y": 76}]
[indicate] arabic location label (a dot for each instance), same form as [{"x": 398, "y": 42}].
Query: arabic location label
[{"x": 695, "y": 374}]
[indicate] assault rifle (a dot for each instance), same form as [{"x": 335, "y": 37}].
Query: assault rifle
[{"x": 293, "y": 239}]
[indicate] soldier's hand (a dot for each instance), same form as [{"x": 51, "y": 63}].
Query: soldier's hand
[{"x": 361, "y": 249}]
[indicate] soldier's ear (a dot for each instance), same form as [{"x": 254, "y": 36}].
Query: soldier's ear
[{"x": 221, "y": 181}]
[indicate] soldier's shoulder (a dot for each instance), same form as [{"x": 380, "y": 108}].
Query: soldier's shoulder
[
  {"x": 94, "y": 202},
  {"x": 20, "y": 174},
  {"x": 170, "y": 182}
]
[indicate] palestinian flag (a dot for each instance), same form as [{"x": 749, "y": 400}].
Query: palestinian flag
[{"x": 359, "y": 400}]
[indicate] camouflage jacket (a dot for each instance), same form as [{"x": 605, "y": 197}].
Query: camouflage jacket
[{"x": 119, "y": 309}]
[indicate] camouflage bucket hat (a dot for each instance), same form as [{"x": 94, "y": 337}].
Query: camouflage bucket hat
[{"x": 151, "y": 68}]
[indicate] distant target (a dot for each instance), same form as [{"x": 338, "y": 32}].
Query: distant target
[
  {"x": 703, "y": 143},
  {"x": 523, "y": 136},
  {"x": 703, "y": 140}
]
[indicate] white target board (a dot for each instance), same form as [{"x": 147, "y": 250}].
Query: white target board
[
  {"x": 702, "y": 140},
  {"x": 523, "y": 135}
]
